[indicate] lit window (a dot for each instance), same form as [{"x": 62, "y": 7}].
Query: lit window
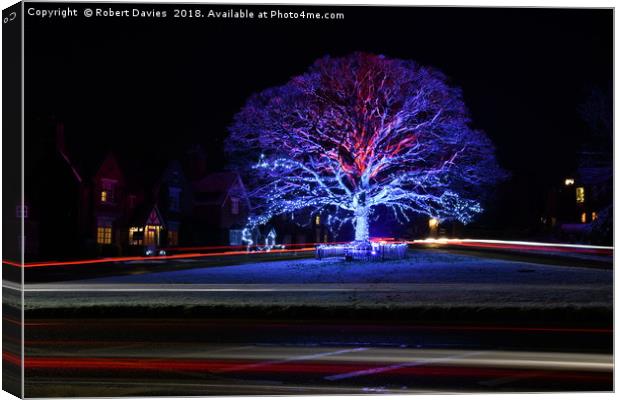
[
  {"x": 581, "y": 194},
  {"x": 107, "y": 191},
  {"x": 104, "y": 234},
  {"x": 594, "y": 215},
  {"x": 569, "y": 181},
  {"x": 583, "y": 218},
  {"x": 135, "y": 236},
  {"x": 317, "y": 220},
  {"x": 21, "y": 212},
  {"x": 173, "y": 238},
  {"x": 104, "y": 231},
  {"x": 234, "y": 205},
  {"x": 433, "y": 223}
]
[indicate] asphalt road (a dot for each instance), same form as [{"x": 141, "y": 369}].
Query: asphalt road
[
  {"x": 428, "y": 282},
  {"x": 534, "y": 326},
  {"x": 140, "y": 357}
]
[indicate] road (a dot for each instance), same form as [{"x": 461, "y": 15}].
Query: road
[
  {"x": 440, "y": 321},
  {"x": 428, "y": 280},
  {"x": 185, "y": 356}
]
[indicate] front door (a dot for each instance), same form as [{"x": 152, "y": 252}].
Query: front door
[{"x": 151, "y": 236}]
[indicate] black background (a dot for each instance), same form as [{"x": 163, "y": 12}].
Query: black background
[{"x": 148, "y": 88}]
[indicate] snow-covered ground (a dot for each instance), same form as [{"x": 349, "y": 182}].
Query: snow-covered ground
[
  {"x": 425, "y": 279},
  {"x": 421, "y": 267}
]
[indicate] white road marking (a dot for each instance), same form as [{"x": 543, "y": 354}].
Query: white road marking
[
  {"x": 379, "y": 370},
  {"x": 297, "y": 358}
]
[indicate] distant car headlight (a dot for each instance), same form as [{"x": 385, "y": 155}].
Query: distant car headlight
[
  {"x": 162, "y": 252},
  {"x": 149, "y": 252}
]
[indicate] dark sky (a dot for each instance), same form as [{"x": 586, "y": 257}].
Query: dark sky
[{"x": 151, "y": 87}]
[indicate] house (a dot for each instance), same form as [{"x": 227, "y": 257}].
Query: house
[
  {"x": 220, "y": 210},
  {"x": 107, "y": 199},
  {"x": 107, "y": 204},
  {"x": 299, "y": 229},
  {"x": 173, "y": 197},
  {"x": 146, "y": 229},
  {"x": 52, "y": 190},
  {"x": 575, "y": 203}
]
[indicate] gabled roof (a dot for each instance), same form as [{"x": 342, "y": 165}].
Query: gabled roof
[
  {"x": 74, "y": 170},
  {"x": 146, "y": 214},
  {"x": 109, "y": 168},
  {"x": 89, "y": 166},
  {"x": 141, "y": 176},
  {"x": 214, "y": 188}
]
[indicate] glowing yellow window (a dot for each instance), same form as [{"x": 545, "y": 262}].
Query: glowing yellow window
[
  {"x": 135, "y": 236},
  {"x": 569, "y": 181},
  {"x": 317, "y": 220},
  {"x": 151, "y": 235},
  {"x": 433, "y": 223},
  {"x": 594, "y": 215},
  {"x": 581, "y": 194},
  {"x": 104, "y": 196},
  {"x": 583, "y": 218},
  {"x": 104, "y": 234}
]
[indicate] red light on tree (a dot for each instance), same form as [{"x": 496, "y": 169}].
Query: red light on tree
[{"x": 361, "y": 133}]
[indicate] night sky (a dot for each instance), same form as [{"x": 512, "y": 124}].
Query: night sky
[{"x": 149, "y": 88}]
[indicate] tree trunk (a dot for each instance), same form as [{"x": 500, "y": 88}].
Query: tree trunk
[{"x": 361, "y": 224}]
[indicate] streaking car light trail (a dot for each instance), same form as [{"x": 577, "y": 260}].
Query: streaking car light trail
[
  {"x": 147, "y": 258},
  {"x": 480, "y": 364},
  {"x": 512, "y": 242},
  {"x": 476, "y": 243},
  {"x": 518, "y": 245}
]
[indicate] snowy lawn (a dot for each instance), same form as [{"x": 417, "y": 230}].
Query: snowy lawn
[
  {"x": 426, "y": 280},
  {"x": 420, "y": 267}
]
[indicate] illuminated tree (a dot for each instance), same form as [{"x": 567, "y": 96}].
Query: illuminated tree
[{"x": 360, "y": 135}]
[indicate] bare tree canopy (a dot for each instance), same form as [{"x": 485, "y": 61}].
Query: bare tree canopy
[{"x": 360, "y": 135}]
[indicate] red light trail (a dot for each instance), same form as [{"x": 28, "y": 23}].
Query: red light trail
[
  {"x": 147, "y": 258},
  {"x": 299, "y": 247},
  {"x": 101, "y": 364},
  {"x": 518, "y": 245},
  {"x": 539, "y": 248}
]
